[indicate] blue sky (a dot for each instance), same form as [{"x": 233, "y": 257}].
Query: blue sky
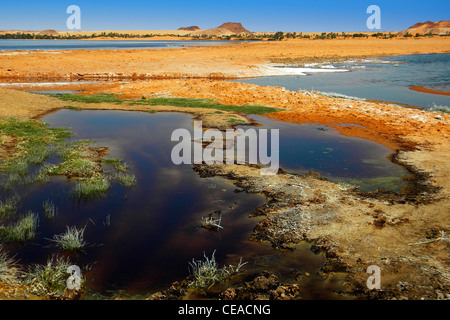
[{"x": 255, "y": 15}]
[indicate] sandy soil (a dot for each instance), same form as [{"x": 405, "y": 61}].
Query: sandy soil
[
  {"x": 216, "y": 62},
  {"x": 404, "y": 234}
]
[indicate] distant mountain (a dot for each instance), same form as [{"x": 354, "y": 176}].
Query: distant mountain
[
  {"x": 49, "y": 32},
  {"x": 226, "y": 29},
  {"x": 192, "y": 28},
  {"x": 441, "y": 27},
  {"x": 234, "y": 27}
]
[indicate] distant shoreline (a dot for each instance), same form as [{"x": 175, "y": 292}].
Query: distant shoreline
[{"x": 431, "y": 91}]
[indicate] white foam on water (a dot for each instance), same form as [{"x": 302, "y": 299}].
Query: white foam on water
[{"x": 287, "y": 71}]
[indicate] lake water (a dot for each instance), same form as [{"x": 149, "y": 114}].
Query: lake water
[
  {"x": 319, "y": 149},
  {"x": 154, "y": 231},
  {"x": 386, "y": 79},
  {"x": 19, "y": 44}
]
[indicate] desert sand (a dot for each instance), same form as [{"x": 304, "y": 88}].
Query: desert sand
[{"x": 214, "y": 62}]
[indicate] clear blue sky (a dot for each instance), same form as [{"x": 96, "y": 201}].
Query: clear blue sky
[{"x": 255, "y": 15}]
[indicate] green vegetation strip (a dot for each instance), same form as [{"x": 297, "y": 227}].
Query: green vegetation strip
[
  {"x": 95, "y": 98},
  {"x": 168, "y": 101},
  {"x": 208, "y": 104}
]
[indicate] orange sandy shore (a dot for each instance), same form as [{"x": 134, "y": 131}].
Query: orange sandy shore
[
  {"x": 215, "y": 62},
  {"x": 383, "y": 123},
  {"x": 426, "y": 90},
  {"x": 393, "y": 126}
]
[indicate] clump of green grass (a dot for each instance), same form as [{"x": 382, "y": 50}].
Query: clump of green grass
[
  {"x": 9, "y": 180},
  {"x": 118, "y": 164},
  {"x": 34, "y": 143},
  {"x": 21, "y": 231},
  {"x": 9, "y": 205},
  {"x": 205, "y": 273},
  {"x": 43, "y": 173},
  {"x": 96, "y": 98},
  {"x": 206, "y": 104},
  {"x": 49, "y": 279},
  {"x": 50, "y": 210},
  {"x": 74, "y": 167},
  {"x": 71, "y": 240},
  {"x": 9, "y": 271},
  {"x": 93, "y": 187},
  {"x": 128, "y": 180},
  {"x": 78, "y": 161}
]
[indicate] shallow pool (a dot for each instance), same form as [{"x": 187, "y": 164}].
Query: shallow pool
[{"x": 154, "y": 229}]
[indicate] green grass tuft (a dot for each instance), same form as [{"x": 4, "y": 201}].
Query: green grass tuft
[
  {"x": 118, "y": 164},
  {"x": 21, "y": 231},
  {"x": 9, "y": 205},
  {"x": 206, "y": 273},
  {"x": 127, "y": 180},
  {"x": 49, "y": 279},
  {"x": 50, "y": 210},
  {"x": 96, "y": 186},
  {"x": 9, "y": 271},
  {"x": 71, "y": 240}
]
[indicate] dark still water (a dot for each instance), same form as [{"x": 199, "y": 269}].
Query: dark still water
[
  {"x": 154, "y": 230},
  {"x": 387, "y": 79},
  {"x": 154, "y": 226}
]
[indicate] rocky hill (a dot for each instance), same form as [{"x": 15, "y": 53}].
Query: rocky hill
[
  {"x": 235, "y": 27},
  {"x": 441, "y": 27},
  {"x": 49, "y": 32},
  {"x": 192, "y": 28},
  {"x": 229, "y": 28}
]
